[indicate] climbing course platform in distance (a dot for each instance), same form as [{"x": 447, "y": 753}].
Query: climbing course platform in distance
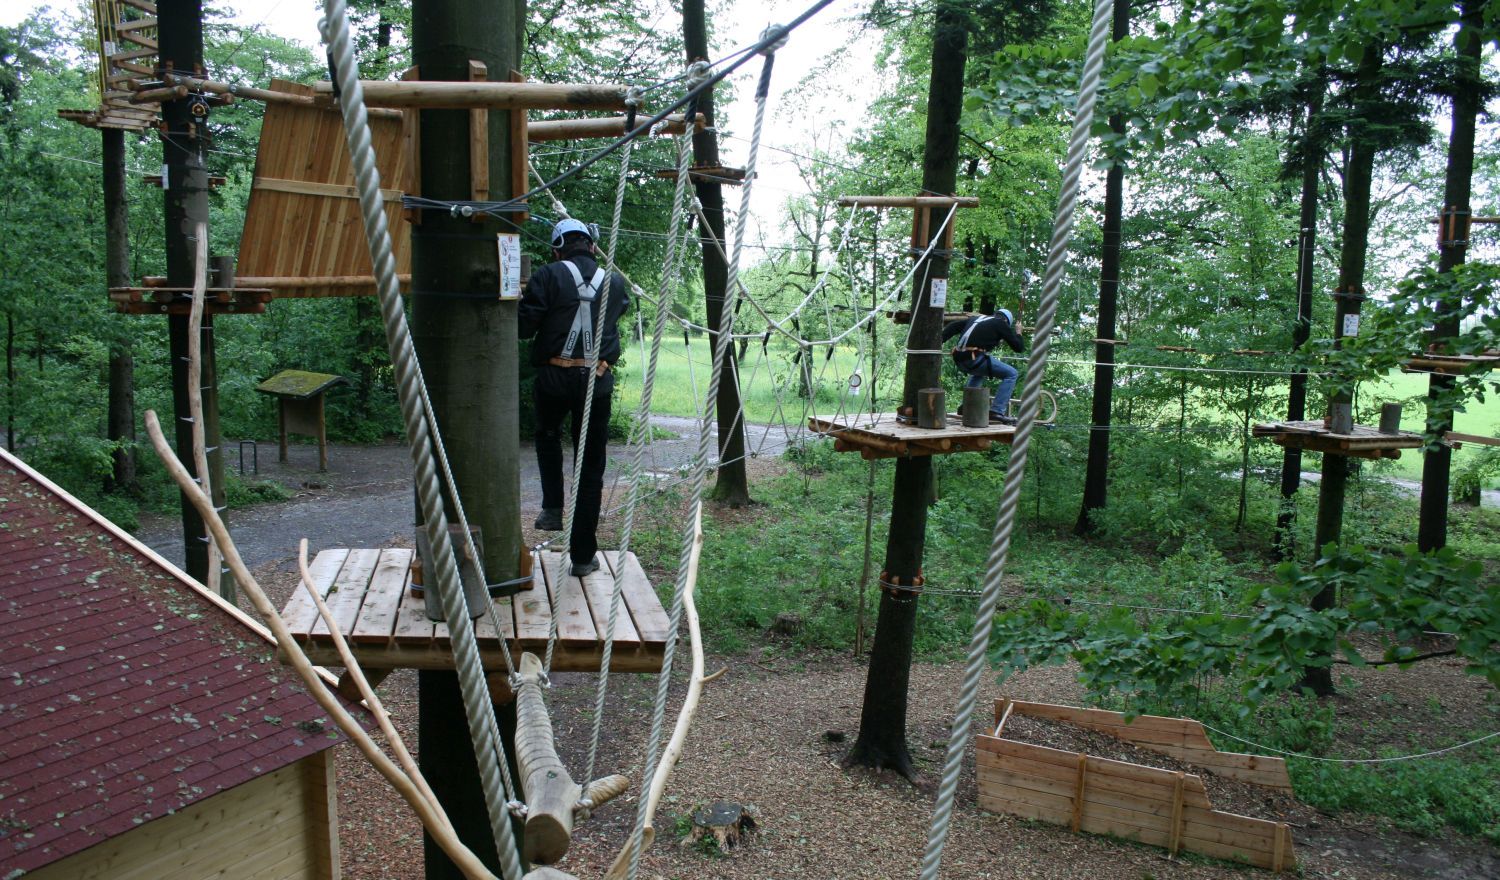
[
  {"x": 1361, "y": 442},
  {"x": 882, "y": 435},
  {"x": 369, "y": 593}
]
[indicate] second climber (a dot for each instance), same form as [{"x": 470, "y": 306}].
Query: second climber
[
  {"x": 977, "y": 337},
  {"x": 559, "y": 309}
]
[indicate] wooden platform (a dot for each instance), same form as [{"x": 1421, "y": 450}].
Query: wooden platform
[
  {"x": 882, "y": 436},
  {"x": 387, "y": 627},
  {"x": 1451, "y": 364},
  {"x": 179, "y": 300},
  {"x": 1314, "y": 436}
]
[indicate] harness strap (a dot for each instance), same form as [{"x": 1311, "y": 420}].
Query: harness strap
[{"x": 583, "y": 319}]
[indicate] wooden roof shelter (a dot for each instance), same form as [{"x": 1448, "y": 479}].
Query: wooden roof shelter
[{"x": 145, "y": 734}]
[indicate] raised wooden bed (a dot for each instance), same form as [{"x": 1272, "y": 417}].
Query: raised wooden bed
[{"x": 1147, "y": 804}]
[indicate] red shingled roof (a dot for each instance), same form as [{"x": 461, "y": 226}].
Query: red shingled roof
[{"x": 125, "y": 693}]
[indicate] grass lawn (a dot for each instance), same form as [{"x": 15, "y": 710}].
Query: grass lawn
[{"x": 1411, "y": 389}]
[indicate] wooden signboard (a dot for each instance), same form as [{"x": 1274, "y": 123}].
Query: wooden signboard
[{"x": 303, "y": 220}]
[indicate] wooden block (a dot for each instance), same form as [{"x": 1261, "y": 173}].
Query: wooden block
[
  {"x": 598, "y": 589},
  {"x": 575, "y": 625},
  {"x": 479, "y": 143}
]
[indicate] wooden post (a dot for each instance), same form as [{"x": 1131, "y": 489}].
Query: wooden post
[
  {"x": 1174, "y": 840},
  {"x": 322, "y": 436},
  {"x": 468, "y": 95},
  {"x": 479, "y": 144},
  {"x": 932, "y": 408},
  {"x": 551, "y": 793},
  {"x": 1078, "y": 788},
  {"x": 121, "y": 417}
]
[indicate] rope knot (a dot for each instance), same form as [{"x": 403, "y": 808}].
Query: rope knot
[
  {"x": 633, "y": 96},
  {"x": 697, "y": 73},
  {"x": 777, "y": 31}
]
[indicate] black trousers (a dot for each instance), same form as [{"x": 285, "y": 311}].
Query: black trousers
[{"x": 559, "y": 394}]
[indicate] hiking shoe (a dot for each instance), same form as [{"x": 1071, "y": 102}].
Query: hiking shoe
[
  {"x": 584, "y": 569},
  {"x": 549, "y": 521},
  {"x": 1002, "y": 420}
]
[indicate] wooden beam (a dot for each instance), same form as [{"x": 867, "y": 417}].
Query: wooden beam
[
  {"x": 310, "y": 188},
  {"x": 607, "y": 127},
  {"x": 440, "y": 95},
  {"x": 551, "y": 793},
  {"x": 520, "y": 154},
  {"x": 479, "y": 144},
  {"x": 908, "y": 201},
  {"x": 282, "y": 283},
  {"x": 1471, "y": 438}
]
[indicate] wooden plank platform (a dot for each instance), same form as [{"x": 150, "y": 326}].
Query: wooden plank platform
[
  {"x": 1451, "y": 364},
  {"x": 387, "y": 627},
  {"x": 883, "y": 436},
  {"x": 179, "y": 300},
  {"x": 1362, "y": 442}
]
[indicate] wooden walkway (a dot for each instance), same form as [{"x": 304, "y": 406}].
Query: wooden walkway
[{"x": 387, "y": 628}]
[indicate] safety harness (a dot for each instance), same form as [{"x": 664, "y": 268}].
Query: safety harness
[{"x": 583, "y": 319}]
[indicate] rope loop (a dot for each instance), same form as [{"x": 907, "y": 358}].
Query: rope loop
[
  {"x": 633, "y": 97},
  {"x": 780, "y": 42},
  {"x": 697, "y": 73}
]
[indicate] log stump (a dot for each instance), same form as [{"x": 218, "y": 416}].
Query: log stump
[
  {"x": 788, "y": 623},
  {"x": 729, "y": 825}
]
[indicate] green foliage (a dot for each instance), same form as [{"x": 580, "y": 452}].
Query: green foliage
[{"x": 1461, "y": 791}]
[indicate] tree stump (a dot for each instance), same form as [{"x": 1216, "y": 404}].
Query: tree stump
[
  {"x": 729, "y": 825},
  {"x": 788, "y": 623}
]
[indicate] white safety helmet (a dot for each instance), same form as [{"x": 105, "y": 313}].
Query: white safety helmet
[
  {"x": 567, "y": 225},
  {"x": 1008, "y": 316}
]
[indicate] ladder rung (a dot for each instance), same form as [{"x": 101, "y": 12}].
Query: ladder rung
[
  {"x": 135, "y": 24},
  {"x": 140, "y": 41},
  {"x": 116, "y": 58},
  {"x": 136, "y": 68},
  {"x": 143, "y": 5}
]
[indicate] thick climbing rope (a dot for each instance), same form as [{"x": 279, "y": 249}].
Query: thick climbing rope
[
  {"x": 641, "y": 434},
  {"x": 488, "y": 748},
  {"x": 1015, "y": 472},
  {"x": 705, "y": 437}
]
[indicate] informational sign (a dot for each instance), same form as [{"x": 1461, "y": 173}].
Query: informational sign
[
  {"x": 1351, "y": 325},
  {"x": 939, "y": 297},
  {"x": 510, "y": 265}
]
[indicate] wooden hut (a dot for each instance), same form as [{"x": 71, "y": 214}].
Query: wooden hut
[{"x": 146, "y": 728}]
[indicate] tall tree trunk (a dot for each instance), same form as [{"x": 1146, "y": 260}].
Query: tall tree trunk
[
  {"x": 1096, "y": 472},
  {"x": 1349, "y": 297},
  {"x": 120, "y": 428},
  {"x": 185, "y": 188},
  {"x": 1432, "y": 529},
  {"x": 466, "y": 341},
  {"x": 1296, "y": 408},
  {"x": 731, "y": 485},
  {"x": 882, "y": 725},
  {"x": 10, "y": 382}
]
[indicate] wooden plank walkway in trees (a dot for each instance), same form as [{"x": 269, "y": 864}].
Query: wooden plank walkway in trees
[
  {"x": 1451, "y": 364},
  {"x": 884, "y": 436},
  {"x": 387, "y": 628},
  {"x": 1362, "y": 442}
]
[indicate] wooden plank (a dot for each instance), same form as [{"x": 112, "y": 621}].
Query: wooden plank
[
  {"x": 1186, "y": 730},
  {"x": 1471, "y": 438},
  {"x": 435, "y": 654},
  {"x": 377, "y": 615},
  {"x": 908, "y": 201},
  {"x": 520, "y": 151},
  {"x": 1046, "y": 755},
  {"x": 348, "y": 591},
  {"x": 310, "y": 188},
  {"x": 533, "y": 608},
  {"x": 1092, "y": 823},
  {"x": 300, "y": 613},
  {"x": 479, "y": 142},
  {"x": 1103, "y": 782},
  {"x": 320, "y": 791},
  {"x": 485, "y": 630},
  {"x": 411, "y": 137},
  {"x": 651, "y": 620},
  {"x": 451, "y": 95},
  {"x": 412, "y": 625},
  {"x": 598, "y": 589},
  {"x": 574, "y": 622}
]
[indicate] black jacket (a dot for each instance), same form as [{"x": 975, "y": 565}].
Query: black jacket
[
  {"x": 989, "y": 332},
  {"x": 550, "y": 302}
]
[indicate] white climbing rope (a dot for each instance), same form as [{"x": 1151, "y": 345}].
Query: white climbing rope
[
  {"x": 1015, "y": 472},
  {"x": 483, "y": 731}
]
